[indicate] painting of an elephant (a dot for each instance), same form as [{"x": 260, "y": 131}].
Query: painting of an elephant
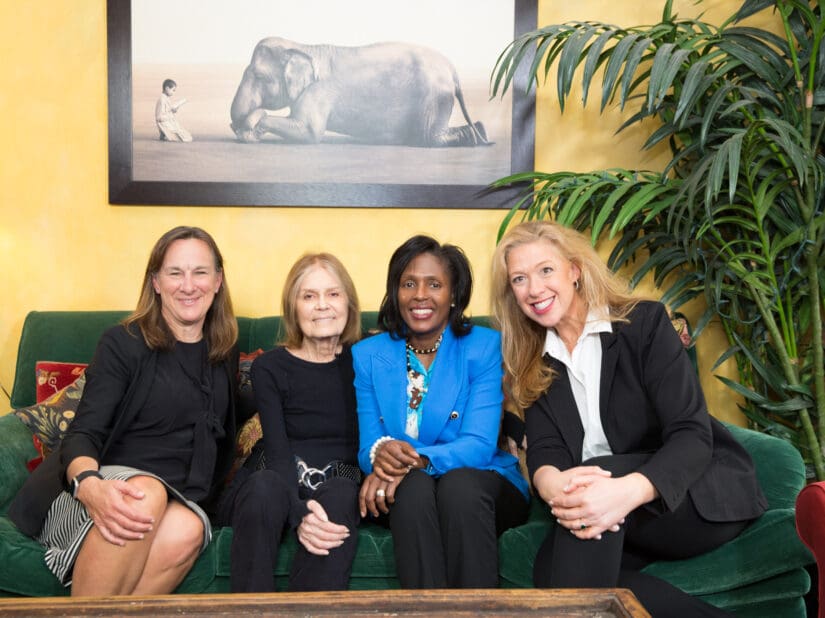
[{"x": 383, "y": 93}]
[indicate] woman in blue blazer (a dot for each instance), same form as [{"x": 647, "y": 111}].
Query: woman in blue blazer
[
  {"x": 619, "y": 440},
  {"x": 429, "y": 410}
]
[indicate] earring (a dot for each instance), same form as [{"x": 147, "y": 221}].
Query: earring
[
  {"x": 576, "y": 285},
  {"x": 452, "y": 304}
]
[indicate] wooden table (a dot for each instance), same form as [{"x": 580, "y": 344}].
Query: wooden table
[{"x": 569, "y": 603}]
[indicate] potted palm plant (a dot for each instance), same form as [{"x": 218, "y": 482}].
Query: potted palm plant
[{"x": 736, "y": 215}]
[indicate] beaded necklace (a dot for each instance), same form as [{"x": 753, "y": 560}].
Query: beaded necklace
[{"x": 431, "y": 350}]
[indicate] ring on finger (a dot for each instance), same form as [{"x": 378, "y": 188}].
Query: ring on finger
[
  {"x": 583, "y": 525},
  {"x": 380, "y": 493}
]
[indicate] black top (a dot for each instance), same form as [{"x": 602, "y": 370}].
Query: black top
[
  {"x": 307, "y": 409},
  {"x": 174, "y": 434},
  {"x": 119, "y": 381}
]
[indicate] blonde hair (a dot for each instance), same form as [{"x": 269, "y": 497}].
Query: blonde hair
[
  {"x": 293, "y": 336},
  {"x": 522, "y": 339}
]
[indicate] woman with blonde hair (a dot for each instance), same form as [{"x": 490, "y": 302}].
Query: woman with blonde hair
[
  {"x": 620, "y": 443},
  {"x": 309, "y": 478}
]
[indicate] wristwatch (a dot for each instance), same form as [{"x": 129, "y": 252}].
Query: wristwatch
[{"x": 83, "y": 475}]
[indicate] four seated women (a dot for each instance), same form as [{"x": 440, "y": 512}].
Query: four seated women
[{"x": 619, "y": 443}]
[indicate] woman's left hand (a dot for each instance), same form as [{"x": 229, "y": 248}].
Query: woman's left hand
[
  {"x": 317, "y": 533},
  {"x": 377, "y": 495},
  {"x": 601, "y": 505}
]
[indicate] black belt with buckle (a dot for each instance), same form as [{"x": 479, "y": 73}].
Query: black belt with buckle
[{"x": 311, "y": 478}]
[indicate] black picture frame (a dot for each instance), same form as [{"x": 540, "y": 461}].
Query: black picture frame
[{"x": 125, "y": 189}]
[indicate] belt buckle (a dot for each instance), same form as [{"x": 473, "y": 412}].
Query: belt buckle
[
  {"x": 330, "y": 470},
  {"x": 307, "y": 478}
]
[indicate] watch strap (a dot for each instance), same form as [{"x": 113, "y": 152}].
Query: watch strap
[{"x": 83, "y": 475}]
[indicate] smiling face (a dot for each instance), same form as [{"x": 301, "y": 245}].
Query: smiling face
[
  {"x": 424, "y": 296},
  {"x": 543, "y": 283},
  {"x": 187, "y": 282},
  {"x": 321, "y": 305}
]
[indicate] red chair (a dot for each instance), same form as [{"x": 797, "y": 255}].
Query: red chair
[{"x": 810, "y": 525}]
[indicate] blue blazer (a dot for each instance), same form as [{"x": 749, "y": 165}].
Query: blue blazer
[{"x": 462, "y": 409}]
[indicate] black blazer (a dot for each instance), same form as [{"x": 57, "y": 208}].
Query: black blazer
[{"x": 650, "y": 403}]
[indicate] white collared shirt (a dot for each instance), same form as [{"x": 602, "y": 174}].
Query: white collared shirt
[{"x": 584, "y": 368}]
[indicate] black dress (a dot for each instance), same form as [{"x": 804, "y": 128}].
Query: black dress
[
  {"x": 308, "y": 411},
  {"x": 175, "y": 434}
]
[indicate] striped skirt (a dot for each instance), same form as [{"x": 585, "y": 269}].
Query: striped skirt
[{"x": 67, "y": 523}]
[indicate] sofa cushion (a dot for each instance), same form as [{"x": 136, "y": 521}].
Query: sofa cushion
[
  {"x": 373, "y": 568},
  {"x": 53, "y": 376},
  {"x": 16, "y": 449},
  {"x": 778, "y": 596},
  {"x": 49, "y": 419},
  {"x": 23, "y": 570},
  {"x": 760, "y": 552},
  {"x": 245, "y": 369}
]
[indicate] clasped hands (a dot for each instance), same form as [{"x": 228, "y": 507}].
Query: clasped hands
[
  {"x": 393, "y": 460},
  {"x": 588, "y": 501}
]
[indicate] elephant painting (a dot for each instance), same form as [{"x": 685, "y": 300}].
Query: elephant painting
[{"x": 384, "y": 93}]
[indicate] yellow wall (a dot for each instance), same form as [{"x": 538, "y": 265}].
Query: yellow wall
[{"x": 63, "y": 247}]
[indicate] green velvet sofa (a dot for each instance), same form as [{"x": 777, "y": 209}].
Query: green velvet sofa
[{"x": 761, "y": 573}]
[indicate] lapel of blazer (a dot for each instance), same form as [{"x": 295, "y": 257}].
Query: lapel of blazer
[
  {"x": 610, "y": 356},
  {"x": 389, "y": 369},
  {"x": 563, "y": 408},
  {"x": 445, "y": 385}
]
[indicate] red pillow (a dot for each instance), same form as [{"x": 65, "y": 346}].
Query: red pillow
[{"x": 52, "y": 376}]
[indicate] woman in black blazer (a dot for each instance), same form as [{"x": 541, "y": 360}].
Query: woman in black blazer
[{"x": 619, "y": 440}]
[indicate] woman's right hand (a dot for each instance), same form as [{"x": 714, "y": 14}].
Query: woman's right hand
[
  {"x": 394, "y": 459},
  {"x": 109, "y": 504},
  {"x": 317, "y": 533}
]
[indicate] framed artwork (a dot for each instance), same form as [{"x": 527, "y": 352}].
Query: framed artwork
[{"x": 364, "y": 103}]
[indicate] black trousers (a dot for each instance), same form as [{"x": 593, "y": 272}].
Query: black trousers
[
  {"x": 257, "y": 508},
  {"x": 649, "y": 534},
  {"x": 445, "y": 530}
]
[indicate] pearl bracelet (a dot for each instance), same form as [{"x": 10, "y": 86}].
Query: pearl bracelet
[{"x": 376, "y": 445}]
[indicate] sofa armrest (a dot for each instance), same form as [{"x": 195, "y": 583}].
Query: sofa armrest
[
  {"x": 779, "y": 466},
  {"x": 16, "y": 448}
]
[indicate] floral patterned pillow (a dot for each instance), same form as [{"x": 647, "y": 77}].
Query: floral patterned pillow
[
  {"x": 49, "y": 419},
  {"x": 53, "y": 376},
  {"x": 246, "y": 439},
  {"x": 682, "y": 329}
]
